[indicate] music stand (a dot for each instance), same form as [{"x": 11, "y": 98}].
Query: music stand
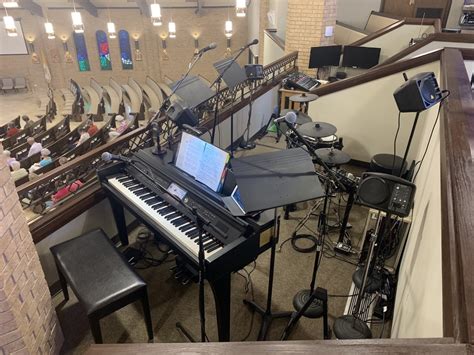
[
  {"x": 273, "y": 180},
  {"x": 193, "y": 90},
  {"x": 232, "y": 76}
]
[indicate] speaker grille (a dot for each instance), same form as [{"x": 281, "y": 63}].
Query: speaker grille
[{"x": 373, "y": 191}]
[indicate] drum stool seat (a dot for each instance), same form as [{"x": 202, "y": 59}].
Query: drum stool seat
[
  {"x": 100, "y": 277},
  {"x": 384, "y": 163}
]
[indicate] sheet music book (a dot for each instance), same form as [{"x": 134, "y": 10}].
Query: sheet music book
[{"x": 203, "y": 161}]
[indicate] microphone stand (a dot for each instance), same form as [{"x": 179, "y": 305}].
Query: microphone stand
[
  {"x": 167, "y": 101},
  {"x": 218, "y": 81},
  {"x": 314, "y": 294}
]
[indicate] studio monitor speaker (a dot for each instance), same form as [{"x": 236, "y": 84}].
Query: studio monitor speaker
[
  {"x": 386, "y": 193},
  {"x": 418, "y": 93}
]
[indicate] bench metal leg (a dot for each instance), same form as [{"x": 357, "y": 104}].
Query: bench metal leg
[
  {"x": 94, "y": 323},
  {"x": 63, "y": 283},
  {"x": 147, "y": 314}
]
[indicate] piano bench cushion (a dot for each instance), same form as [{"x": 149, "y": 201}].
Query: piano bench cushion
[{"x": 96, "y": 272}]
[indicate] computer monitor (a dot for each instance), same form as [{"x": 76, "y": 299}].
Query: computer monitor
[
  {"x": 360, "y": 57},
  {"x": 324, "y": 56}
]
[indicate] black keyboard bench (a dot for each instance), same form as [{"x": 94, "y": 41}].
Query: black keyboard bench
[{"x": 100, "y": 277}]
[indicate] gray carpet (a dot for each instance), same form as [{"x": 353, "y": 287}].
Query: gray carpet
[{"x": 172, "y": 302}]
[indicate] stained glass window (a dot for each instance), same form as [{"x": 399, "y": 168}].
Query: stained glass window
[
  {"x": 125, "y": 51},
  {"x": 104, "y": 51},
  {"x": 81, "y": 52}
]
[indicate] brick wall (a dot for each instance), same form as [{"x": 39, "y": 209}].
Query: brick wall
[
  {"x": 305, "y": 27},
  {"x": 209, "y": 24},
  {"x": 28, "y": 322}
]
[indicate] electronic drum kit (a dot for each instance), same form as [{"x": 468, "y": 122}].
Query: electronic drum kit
[{"x": 320, "y": 134}]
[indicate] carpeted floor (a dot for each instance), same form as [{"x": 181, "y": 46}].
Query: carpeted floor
[{"x": 173, "y": 302}]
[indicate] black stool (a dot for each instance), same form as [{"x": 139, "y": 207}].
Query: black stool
[
  {"x": 100, "y": 277},
  {"x": 384, "y": 163}
]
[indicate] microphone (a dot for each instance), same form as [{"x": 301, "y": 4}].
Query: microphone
[
  {"x": 191, "y": 129},
  {"x": 290, "y": 118},
  {"x": 211, "y": 46},
  {"x": 255, "y": 41},
  {"x": 155, "y": 135},
  {"x": 106, "y": 156}
]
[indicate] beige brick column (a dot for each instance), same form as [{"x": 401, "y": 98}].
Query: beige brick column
[
  {"x": 305, "y": 27},
  {"x": 28, "y": 322},
  {"x": 263, "y": 25}
]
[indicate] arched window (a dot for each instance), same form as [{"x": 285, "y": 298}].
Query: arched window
[
  {"x": 81, "y": 51},
  {"x": 104, "y": 51},
  {"x": 125, "y": 51}
]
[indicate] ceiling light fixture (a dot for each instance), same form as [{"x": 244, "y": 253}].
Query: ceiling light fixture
[
  {"x": 172, "y": 29},
  {"x": 240, "y": 8},
  {"x": 111, "y": 26},
  {"x": 49, "y": 29},
  {"x": 10, "y": 4},
  {"x": 9, "y": 23},
  {"x": 228, "y": 29},
  {"x": 77, "y": 24},
  {"x": 156, "y": 14}
]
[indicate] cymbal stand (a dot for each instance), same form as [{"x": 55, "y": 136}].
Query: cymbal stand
[
  {"x": 202, "y": 275},
  {"x": 267, "y": 315}
]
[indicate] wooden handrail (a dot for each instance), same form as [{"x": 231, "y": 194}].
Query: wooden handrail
[
  {"x": 404, "y": 21},
  {"x": 445, "y": 37},
  {"x": 457, "y": 192}
]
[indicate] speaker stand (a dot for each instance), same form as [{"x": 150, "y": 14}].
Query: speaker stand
[{"x": 412, "y": 133}]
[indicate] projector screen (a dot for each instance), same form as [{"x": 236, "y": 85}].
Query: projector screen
[{"x": 12, "y": 45}]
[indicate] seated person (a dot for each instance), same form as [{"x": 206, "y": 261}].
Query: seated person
[
  {"x": 91, "y": 127},
  {"x": 83, "y": 136},
  {"x": 35, "y": 147},
  {"x": 45, "y": 160},
  {"x": 121, "y": 125},
  {"x": 11, "y": 130},
  {"x": 62, "y": 160},
  {"x": 10, "y": 160},
  {"x": 18, "y": 172},
  {"x": 28, "y": 122}
]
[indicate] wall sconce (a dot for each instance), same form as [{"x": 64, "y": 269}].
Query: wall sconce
[
  {"x": 138, "y": 52},
  {"x": 228, "y": 51},
  {"x": 34, "y": 56},
  {"x": 67, "y": 54},
  {"x": 164, "y": 46},
  {"x": 196, "y": 45}
]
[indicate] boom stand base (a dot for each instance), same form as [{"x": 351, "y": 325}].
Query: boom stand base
[{"x": 349, "y": 327}]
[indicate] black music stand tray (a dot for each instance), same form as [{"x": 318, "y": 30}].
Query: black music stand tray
[
  {"x": 193, "y": 90},
  {"x": 272, "y": 180},
  {"x": 232, "y": 76}
]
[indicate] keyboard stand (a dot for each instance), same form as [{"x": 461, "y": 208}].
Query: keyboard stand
[{"x": 267, "y": 315}]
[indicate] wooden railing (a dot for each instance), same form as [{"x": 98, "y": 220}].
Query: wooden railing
[
  {"x": 35, "y": 195},
  {"x": 406, "y": 21},
  {"x": 457, "y": 197}
]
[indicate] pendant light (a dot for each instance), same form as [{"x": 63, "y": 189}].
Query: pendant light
[
  {"x": 111, "y": 27},
  {"x": 172, "y": 29},
  {"x": 49, "y": 29},
  {"x": 10, "y": 4},
  {"x": 9, "y": 23},
  {"x": 77, "y": 24},
  {"x": 240, "y": 8},
  {"x": 155, "y": 10}
]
